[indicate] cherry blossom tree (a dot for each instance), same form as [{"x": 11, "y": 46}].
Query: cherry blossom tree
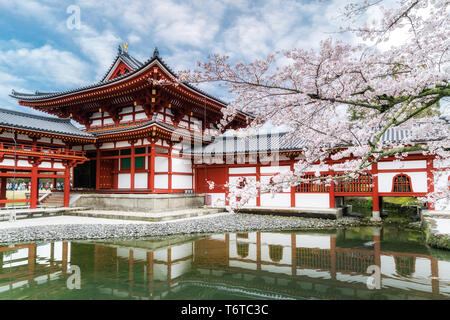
[{"x": 311, "y": 92}]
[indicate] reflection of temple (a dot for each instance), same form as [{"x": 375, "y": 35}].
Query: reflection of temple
[{"x": 243, "y": 265}]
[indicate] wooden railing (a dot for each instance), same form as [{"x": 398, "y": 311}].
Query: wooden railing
[{"x": 27, "y": 148}]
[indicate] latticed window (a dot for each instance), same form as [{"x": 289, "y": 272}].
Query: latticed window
[
  {"x": 361, "y": 184},
  {"x": 242, "y": 249},
  {"x": 275, "y": 252},
  {"x": 311, "y": 186},
  {"x": 402, "y": 183},
  {"x": 405, "y": 266}
]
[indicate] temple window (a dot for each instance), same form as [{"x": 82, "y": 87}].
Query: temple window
[
  {"x": 276, "y": 253},
  {"x": 402, "y": 183},
  {"x": 242, "y": 249}
]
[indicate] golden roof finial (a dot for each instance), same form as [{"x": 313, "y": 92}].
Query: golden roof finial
[{"x": 125, "y": 46}]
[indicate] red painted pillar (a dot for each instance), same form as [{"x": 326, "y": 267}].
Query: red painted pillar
[
  {"x": 151, "y": 177},
  {"x": 67, "y": 186},
  {"x": 332, "y": 197},
  {"x": 292, "y": 189},
  {"x": 97, "y": 173},
  {"x": 430, "y": 180},
  {"x": 258, "y": 179},
  {"x": 375, "y": 196},
  {"x": 333, "y": 257},
  {"x": 34, "y": 192},
  {"x": 294, "y": 254},
  {"x": 3, "y": 182},
  {"x": 170, "y": 169},
  {"x": 132, "y": 166},
  {"x": 258, "y": 251},
  {"x": 434, "y": 276}
]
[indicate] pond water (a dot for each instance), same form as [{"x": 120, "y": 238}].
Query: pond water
[{"x": 255, "y": 265}]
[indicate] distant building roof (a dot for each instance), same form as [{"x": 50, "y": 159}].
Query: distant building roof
[
  {"x": 275, "y": 142},
  {"x": 21, "y": 120}
]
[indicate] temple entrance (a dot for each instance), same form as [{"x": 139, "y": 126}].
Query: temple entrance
[
  {"x": 106, "y": 176},
  {"x": 84, "y": 175}
]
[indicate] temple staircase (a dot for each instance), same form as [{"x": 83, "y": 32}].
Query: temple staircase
[{"x": 54, "y": 199}]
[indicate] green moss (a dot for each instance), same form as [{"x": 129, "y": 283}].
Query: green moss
[{"x": 439, "y": 241}]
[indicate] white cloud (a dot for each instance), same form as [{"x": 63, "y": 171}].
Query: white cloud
[{"x": 46, "y": 62}]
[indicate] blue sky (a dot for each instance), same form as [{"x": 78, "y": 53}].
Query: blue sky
[{"x": 39, "y": 52}]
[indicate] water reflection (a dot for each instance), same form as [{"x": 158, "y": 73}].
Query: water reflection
[{"x": 297, "y": 265}]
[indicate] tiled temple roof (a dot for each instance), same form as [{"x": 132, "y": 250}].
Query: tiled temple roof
[
  {"x": 21, "y": 120},
  {"x": 276, "y": 142},
  {"x": 135, "y": 64}
]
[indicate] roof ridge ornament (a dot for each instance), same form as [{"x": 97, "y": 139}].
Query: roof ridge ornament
[
  {"x": 156, "y": 53},
  {"x": 119, "y": 50}
]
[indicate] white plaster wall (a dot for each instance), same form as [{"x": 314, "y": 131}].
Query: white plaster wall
[
  {"x": 320, "y": 167},
  {"x": 89, "y": 147},
  {"x": 418, "y": 181},
  {"x": 127, "y": 118},
  {"x": 277, "y": 200},
  {"x": 286, "y": 257},
  {"x": 161, "y": 164},
  {"x": 160, "y": 255},
  {"x": 96, "y": 115},
  {"x": 25, "y": 163},
  {"x": 77, "y": 148},
  {"x": 139, "y": 254},
  {"x": 181, "y": 165},
  {"x": 277, "y": 269},
  {"x": 45, "y": 140},
  {"x": 108, "y": 121},
  {"x": 124, "y": 181},
  {"x": 121, "y": 144},
  {"x": 7, "y": 162},
  {"x": 162, "y": 181},
  {"x": 276, "y": 238},
  {"x": 312, "y": 241},
  {"x": 108, "y": 145},
  {"x": 275, "y": 169},
  {"x": 180, "y": 268},
  {"x": 6, "y": 135},
  {"x": 160, "y": 272},
  {"x": 138, "y": 108},
  {"x": 312, "y": 200},
  {"x": 251, "y": 250},
  {"x": 45, "y": 164},
  {"x": 242, "y": 170},
  {"x": 23, "y": 137},
  {"x": 140, "y": 115},
  {"x": 140, "y": 180},
  {"x": 58, "y": 165},
  {"x": 181, "y": 182},
  {"x": 387, "y": 265},
  {"x": 181, "y": 251},
  {"x": 126, "y": 110},
  {"x": 96, "y": 123},
  {"x": 416, "y": 164}
]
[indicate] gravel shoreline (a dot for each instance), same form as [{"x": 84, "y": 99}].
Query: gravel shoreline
[{"x": 224, "y": 223}]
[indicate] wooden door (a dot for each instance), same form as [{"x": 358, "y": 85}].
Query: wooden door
[{"x": 106, "y": 174}]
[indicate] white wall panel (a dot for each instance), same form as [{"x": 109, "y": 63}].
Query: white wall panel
[
  {"x": 312, "y": 200},
  {"x": 417, "y": 164},
  {"x": 181, "y": 182},
  {"x": 279, "y": 200},
  {"x": 161, "y": 181},
  {"x": 242, "y": 170},
  {"x": 140, "y": 180},
  {"x": 181, "y": 165},
  {"x": 161, "y": 164},
  {"x": 124, "y": 181}
]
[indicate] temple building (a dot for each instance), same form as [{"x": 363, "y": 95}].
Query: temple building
[{"x": 143, "y": 134}]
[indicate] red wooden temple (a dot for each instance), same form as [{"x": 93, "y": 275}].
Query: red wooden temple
[{"x": 138, "y": 127}]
